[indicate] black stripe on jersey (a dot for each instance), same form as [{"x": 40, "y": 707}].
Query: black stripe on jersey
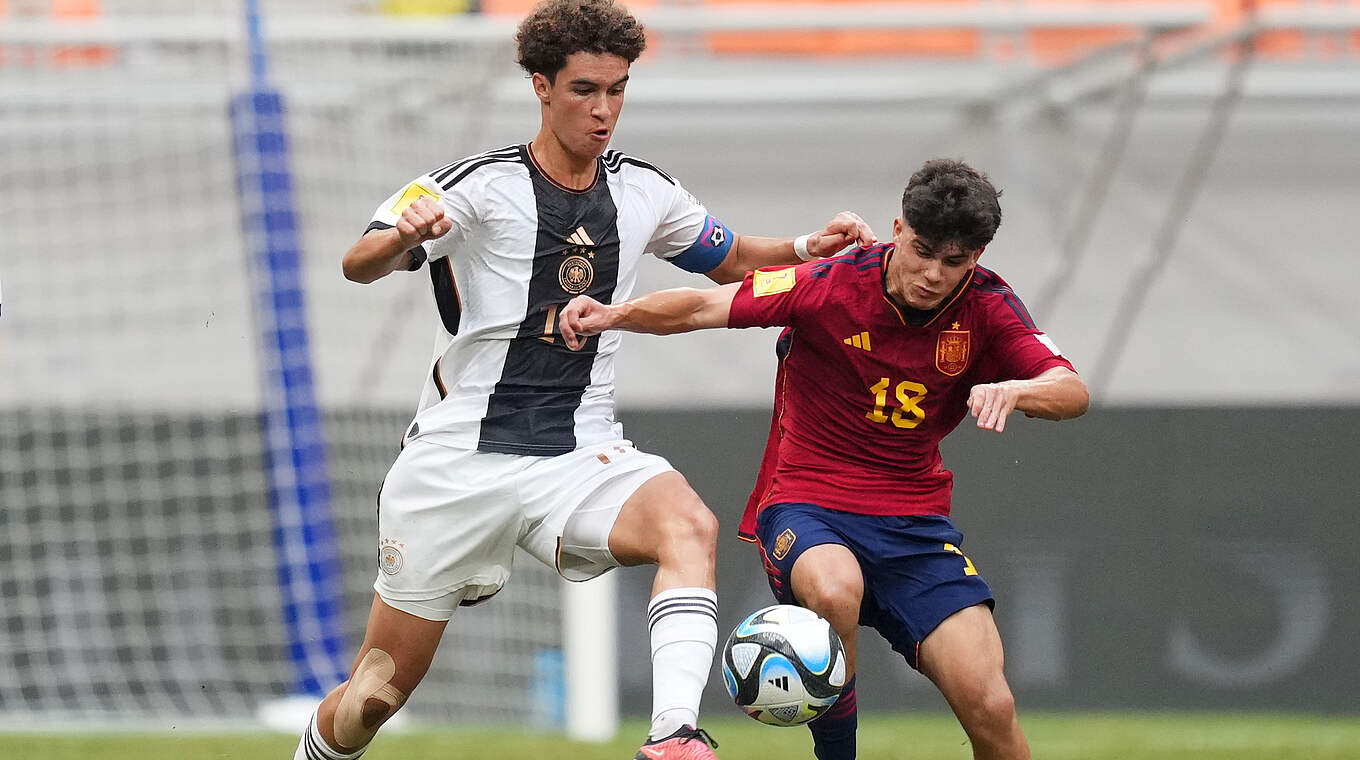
[
  {"x": 988, "y": 282},
  {"x": 532, "y": 409},
  {"x": 417, "y": 254},
  {"x": 446, "y": 295},
  {"x": 783, "y": 344},
  {"x": 464, "y": 171},
  {"x": 863, "y": 259},
  {"x": 439, "y": 380},
  {"x": 1018, "y": 306},
  {"x": 614, "y": 160},
  {"x": 869, "y": 258},
  {"x": 440, "y": 174}
]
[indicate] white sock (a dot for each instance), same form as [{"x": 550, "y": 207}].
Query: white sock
[
  {"x": 684, "y": 626},
  {"x": 313, "y": 747}
]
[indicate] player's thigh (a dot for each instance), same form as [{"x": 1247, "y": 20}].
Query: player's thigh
[
  {"x": 915, "y": 577},
  {"x": 810, "y": 562},
  {"x": 827, "y": 580},
  {"x": 592, "y": 509},
  {"x": 448, "y": 522},
  {"x": 963, "y": 656},
  {"x": 661, "y": 519}
]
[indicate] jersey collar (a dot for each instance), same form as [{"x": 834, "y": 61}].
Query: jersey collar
[
  {"x": 918, "y": 317},
  {"x": 528, "y": 151}
]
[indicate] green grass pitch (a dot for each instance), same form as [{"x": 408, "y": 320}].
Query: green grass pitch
[{"x": 1053, "y": 736}]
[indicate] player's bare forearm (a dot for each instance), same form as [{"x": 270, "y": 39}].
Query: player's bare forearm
[
  {"x": 1055, "y": 394},
  {"x": 664, "y": 312},
  {"x": 749, "y": 253},
  {"x": 376, "y": 255},
  {"x": 380, "y": 252},
  {"x": 667, "y": 312}
]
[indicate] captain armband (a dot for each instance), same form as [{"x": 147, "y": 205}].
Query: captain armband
[{"x": 709, "y": 251}]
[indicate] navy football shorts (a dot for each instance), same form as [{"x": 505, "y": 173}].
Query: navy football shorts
[{"x": 915, "y": 574}]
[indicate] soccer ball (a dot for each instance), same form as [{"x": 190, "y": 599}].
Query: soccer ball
[{"x": 784, "y": 665}]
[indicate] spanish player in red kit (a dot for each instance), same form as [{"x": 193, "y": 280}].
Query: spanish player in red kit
[{"x": 887, "y": 349}]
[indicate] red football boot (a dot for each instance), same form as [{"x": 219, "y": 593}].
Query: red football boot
[{"x": 685, "y": 744}]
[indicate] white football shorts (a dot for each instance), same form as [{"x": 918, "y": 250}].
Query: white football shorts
[{"x": 449, "y": 519}]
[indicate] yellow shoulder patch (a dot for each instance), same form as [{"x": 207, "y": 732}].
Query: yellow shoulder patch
[
  {"x": 767, "y": 282},
  {"x": 413, "y": 191}
]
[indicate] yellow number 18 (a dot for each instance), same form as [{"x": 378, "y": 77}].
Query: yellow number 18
[{"x": 908, "y": 413}]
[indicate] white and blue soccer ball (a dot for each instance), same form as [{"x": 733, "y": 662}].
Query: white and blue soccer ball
[{"x": 784, "y": 665}]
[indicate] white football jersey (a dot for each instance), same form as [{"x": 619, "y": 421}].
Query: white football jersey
[{"x": 521, "y": 247}]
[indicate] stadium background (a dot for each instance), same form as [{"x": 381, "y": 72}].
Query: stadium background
[{"x": 1176, "y": 218}]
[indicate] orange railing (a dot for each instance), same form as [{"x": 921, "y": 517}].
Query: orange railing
[
  {"x": 74, "y": 11},
  {"x": 1049, "y": 45}
]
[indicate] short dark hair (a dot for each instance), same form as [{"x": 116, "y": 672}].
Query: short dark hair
[
  {"x": 557, "y": 28},
  {"x": 948, "y": 201}
]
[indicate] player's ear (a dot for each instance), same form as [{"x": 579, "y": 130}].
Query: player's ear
[
  {"x": 542, "y": 87},
  {"x": 897, "y": 228}
]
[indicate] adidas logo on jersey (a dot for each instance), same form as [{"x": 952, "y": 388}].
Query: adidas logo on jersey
[
  {"x": 580, "y": 237},
  {"x": 858, "y": 341},
  {"x": 581, "y": 243}
]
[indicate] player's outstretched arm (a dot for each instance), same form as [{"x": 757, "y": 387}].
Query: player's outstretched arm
[
  {"x": 1054, "y": 394},
  {"x": 381, "y": 252},
  {"x": 664, "y": 312},
  {"x": 749, "y": 253}
]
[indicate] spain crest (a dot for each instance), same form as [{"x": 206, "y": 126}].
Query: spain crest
[
  {"x": 951, "y": 352},
  {"x": 783, "y": 543}
]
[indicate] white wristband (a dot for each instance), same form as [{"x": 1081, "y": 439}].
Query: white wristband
[{"x": 800, "y": 248}]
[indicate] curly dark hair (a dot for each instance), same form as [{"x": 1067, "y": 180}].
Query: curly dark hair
[
  {"x": 948, "y": 202},
  {"x": 557, "y": 28}
]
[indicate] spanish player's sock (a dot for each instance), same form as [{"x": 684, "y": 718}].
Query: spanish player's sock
[
  {"x": 833, "y": 734},
  {"x": 684, "y": 627},
  {"x": 313, "y": 747}
]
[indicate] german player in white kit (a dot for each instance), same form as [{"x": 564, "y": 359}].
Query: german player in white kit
[{"x": 515, "y": 441}]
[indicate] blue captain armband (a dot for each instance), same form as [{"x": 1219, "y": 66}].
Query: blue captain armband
[{"x": 708, "y": 251}]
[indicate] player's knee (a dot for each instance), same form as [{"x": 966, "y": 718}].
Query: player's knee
[
  {"x": 369, "y": 700},
  {"x": 992, "y": 709},
  {"x": 841, "y": 610},
  {"x": 834, "y": 596},
  {"x": 998, "y": 705},
  {"x": 691, "y": 523}
]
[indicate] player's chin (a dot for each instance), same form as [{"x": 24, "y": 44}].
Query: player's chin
[{"x": 598, "y": 141}]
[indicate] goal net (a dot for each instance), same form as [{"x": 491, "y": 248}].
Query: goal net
[{"x": 143, "y": 574}]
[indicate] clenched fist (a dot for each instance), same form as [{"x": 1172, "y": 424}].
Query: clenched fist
[{"x": 421, "y": 221}]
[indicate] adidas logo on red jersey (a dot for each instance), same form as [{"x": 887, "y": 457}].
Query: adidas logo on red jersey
[{"x": 858, "y": 341}]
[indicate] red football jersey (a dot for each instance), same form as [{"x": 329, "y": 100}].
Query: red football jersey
[{"x": 866, "y": 391}]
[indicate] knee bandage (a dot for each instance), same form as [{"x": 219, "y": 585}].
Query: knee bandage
[{"x": 369, "y": 700}]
